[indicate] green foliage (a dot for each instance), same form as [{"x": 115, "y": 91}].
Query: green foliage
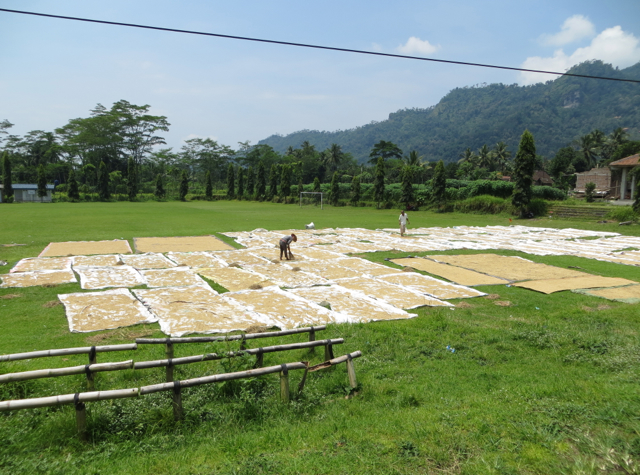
[
  {"x": 73, "y": 192},
  {"x": 285, "y": 181},
  {"x": 273, "y": 181},
  {"x": 384, "y": 150},
  {"x": 524, "y": 166},
  {"x": 208, "y": 192},
  {"x": 184, "y": 186},
  {"x": 438, "y": 185},
  {"x": 240, "y": 182},
  {"x": 250, "y": 182},
  {"x": 538, "y": 207},
  {"x": 484, "y": 204},
  {"x": 407, "y": 186},
  {"x": 261, "y": 181},
  {"x": 42, "y": 182},
  {"x": 103, "y": 183},
  {"x": 132, "y": 179},
  {"x": 356, "y": 191},
  {"x": 623, "y": 213},
  {"x": 231, "y": 186},
  {"x": 159, "y": 191},
  {"x": 316, "y": 185},
  {"x": 378, "y": 185},
  {"x": 7, "y": 180},
  {"x": 334, "y": 194},
  {"x": 589, "y": 188}
]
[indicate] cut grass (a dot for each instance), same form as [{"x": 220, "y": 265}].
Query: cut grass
[{"x": 547, "y": 385}]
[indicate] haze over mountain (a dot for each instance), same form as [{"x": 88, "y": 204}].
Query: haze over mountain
[{"x": 556, "y": 112}]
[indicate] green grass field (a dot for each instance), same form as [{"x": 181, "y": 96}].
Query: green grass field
[{"x": 550, "y": 384}]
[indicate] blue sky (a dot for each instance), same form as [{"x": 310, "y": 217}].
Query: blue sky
[{"x": 52, "y": 70}]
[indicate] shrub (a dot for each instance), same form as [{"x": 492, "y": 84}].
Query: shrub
[
  {"x": 622, "y": 213},
  {"x": 549, "y": 193},
  {"x": 484, "y": 204},
  {"x": 589, "y": 188},
  {"x": 538, "y": 207}
]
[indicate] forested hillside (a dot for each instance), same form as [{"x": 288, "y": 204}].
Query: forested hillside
[{"x": 557, "y": 113}]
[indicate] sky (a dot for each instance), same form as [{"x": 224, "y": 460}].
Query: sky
[{"x": 52, "y": 71}]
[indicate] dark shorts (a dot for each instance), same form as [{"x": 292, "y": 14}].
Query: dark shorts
[{"x": 283, "y": 245}]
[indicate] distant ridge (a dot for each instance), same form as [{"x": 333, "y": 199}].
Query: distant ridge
[{"x": 556, "y": 112}]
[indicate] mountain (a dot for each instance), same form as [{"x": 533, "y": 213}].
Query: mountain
[{"x": 556, "y": 113}]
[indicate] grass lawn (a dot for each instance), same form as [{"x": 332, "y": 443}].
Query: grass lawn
[{"x": 550, "y": 384}]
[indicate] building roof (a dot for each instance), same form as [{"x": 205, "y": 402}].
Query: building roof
[
  {"x": 26, "y": 186},
  {"x": 631, "y": 161}
]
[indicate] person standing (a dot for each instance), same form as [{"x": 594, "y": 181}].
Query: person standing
[
  {"x": 285, "y": 246},
  {"x": 403, "y": 220}
]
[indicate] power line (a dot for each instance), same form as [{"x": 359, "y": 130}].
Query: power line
[{"x": 304, "y": 45}]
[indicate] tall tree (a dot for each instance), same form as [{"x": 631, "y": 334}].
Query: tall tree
[
  {"x": 334, "y": 194},
  {"x": 407, "y": 186},
  {"x": 72, "y": 186},
  {"x": 484, "y": 157},
  {"x": 273, "y": 181},
  {"x": 261, "y": 184},
  {"x": 159, "y": 191},
  {"x": 132, "y": 179},
  {"x": 524, "y": 167},
  {"x": 355, "y": 190},
  {"x": 42, "y": 182},
  {"x": 333, "y": 156},
  {"x": 250, "y": 182},
  {"x": 316, "y": 185},
  {"x": 103, "y": 183},
  {"x": 378, "y": 184},
  {"x": 208, "y": 191},
  {"x": 184, "y": 186},
  {"x": 6, "y": 177},
  {"x": 240, "y": 175},
  {"x": 439, "y": 186},
  {"x": 384, "y": 150},
  {"x": 501, "y": 157},
  {"x": 285, "y": 181},
  {"x": 231, "y": 185}
]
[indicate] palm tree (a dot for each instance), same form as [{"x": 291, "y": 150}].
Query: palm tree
[
  {"x": 333, "y": 156},
  {"x": 468, "y": 156},
  {"x": 416, "y": 164},
  {"x": 501, "y": 156},
  {"x": 589, "y": 148},
  {"x": 484, "y": 157}
]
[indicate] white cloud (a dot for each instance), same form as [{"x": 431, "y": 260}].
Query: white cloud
[
  {"x": 612, "y": 46},
  {"x": 417, "y": 46},
  {"x": 573, "y": 29}
]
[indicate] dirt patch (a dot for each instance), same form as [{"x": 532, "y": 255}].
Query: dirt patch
[
  {"x": 255, "y": 287},
  {"x": 408, "y": 269},
  {"x": 604, "y": 307},
  {"x": 502, "y": 303},
  {"x": 10, "y": 296},
  {"x": 463, "y": 305},
  {"x": 51, "y": 303},
  {"x": 492, "y": 297},
  {"x": 257, "y": 329},
  {"x": 587, "y": 308}
]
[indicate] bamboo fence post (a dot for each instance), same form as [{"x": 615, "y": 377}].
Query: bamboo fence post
[
  {"x": 259, "y": 358},
  {"x": 81, "y": 417},
  {"x": 351, "y": 371},
  {"x": 312, "y": 334},
  {"x": 169, "y": 354},
  {"x": 243, "y": 342},
  {"x": 328, "y": 351},
  {"x": 304, "y": 377},
  {"x": 177, "y": 402},
  {"x": 284, "y": 384},
  {"x": 92, "y": 360}
]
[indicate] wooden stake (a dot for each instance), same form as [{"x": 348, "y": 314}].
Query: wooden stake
[
  {"x": 81, "y": 417},
  {"x": 351, "y": 371},
  {"x": 169, "y": 354},
  {"x": 92, "y": 360},
  {"x": 328, "y": 350},
  {"x": 243, "y": 343},
  {"x": 177, "y": 402},
  {"x": 259, "y": 359},
  {"x": 304, "y": 378},
  {"x": 284, "y": 384},
  {"x": 312, "y": 334}
]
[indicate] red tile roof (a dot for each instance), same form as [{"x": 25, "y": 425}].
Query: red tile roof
[{"x": 631, "y": 161}]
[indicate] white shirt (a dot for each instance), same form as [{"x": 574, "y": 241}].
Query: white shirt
[{"x": 403, "y": 219}]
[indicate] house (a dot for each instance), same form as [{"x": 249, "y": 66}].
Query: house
[
  {"x": 23, "y": 193},
  {"x": 542, "y": 178},
  {"x": 621, "y": 186},
  {"x": 612, "y": 181}
]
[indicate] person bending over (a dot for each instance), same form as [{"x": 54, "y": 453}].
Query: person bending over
[{"x": 285, "y": 246}]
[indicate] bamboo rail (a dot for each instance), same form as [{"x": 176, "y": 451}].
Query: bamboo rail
[
  {"x": 68, "y": 351},
  {"x": 52, "y": 373},
  {"x": 251, "y": 351},
  {"x": 245, "y": 336},
  {"x": 217, "y": 378},
  {"x": 34, "y": 403}
]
